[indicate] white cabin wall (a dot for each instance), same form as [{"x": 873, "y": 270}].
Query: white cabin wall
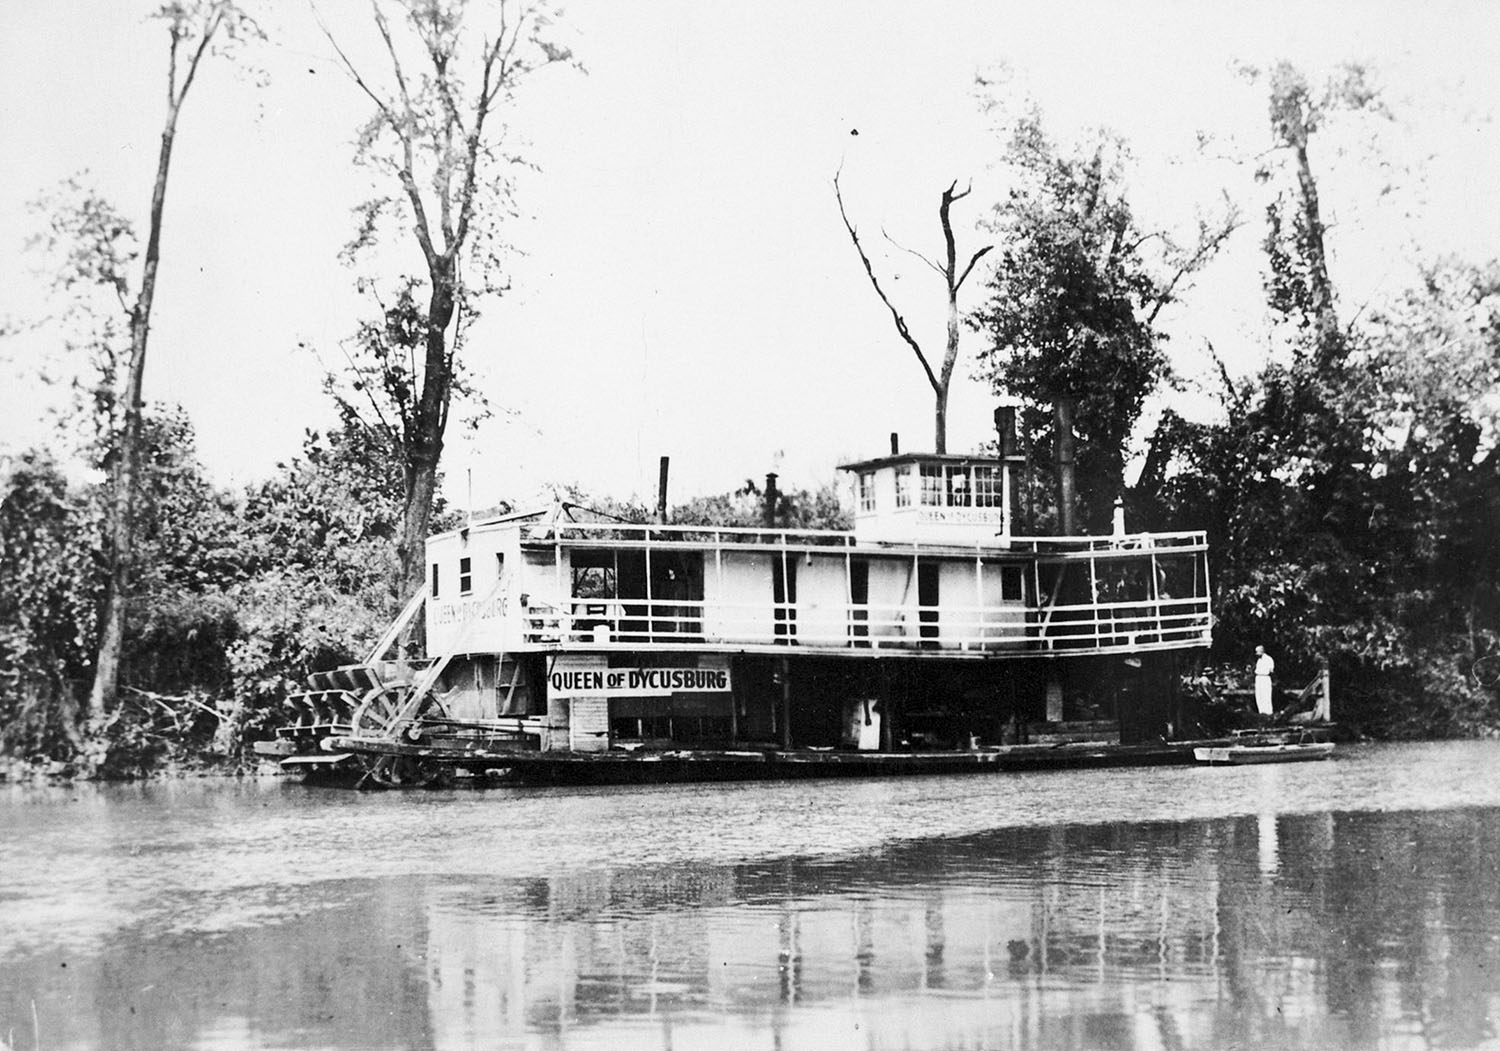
[
  {"x": 893, "y": 583},
  {"x": 1004, "y": 617},
  {"x": 737, "y": 595},
  {"x": 479, "y": 620},
  {"x": 822, "y": 600},
  {"x": 958, "y": 597}
]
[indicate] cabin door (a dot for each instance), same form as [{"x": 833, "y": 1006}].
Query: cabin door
[
  {"x": 927, "y": 599},
  {"x": 784, "y": 595},
  {"x": 859, "y": 600}
]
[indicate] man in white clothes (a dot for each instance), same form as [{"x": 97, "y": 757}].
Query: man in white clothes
[{"x": 1265, "y": 667}]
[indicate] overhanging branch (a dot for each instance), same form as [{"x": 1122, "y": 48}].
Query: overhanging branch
[{"x": 900, "y": 322}]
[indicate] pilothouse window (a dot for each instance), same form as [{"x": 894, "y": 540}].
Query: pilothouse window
[
  {"x": 958, "y": 487},
  {"x": 932, "y": 485},
  {"x": 988, "y": 486},
  {"x": 465, "y": 575},
  {"x": 903, "y": 486}
]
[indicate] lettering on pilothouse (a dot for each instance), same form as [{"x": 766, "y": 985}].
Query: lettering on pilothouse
[
  {"x": 967, "y": 515},
  {"x": 470, "y": 609},
  {"x": 637, "y": 682}
]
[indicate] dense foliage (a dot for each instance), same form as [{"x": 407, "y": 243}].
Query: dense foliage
[
  {"x": 1071, "y": 312},
  {"x": 1352, "y": 490},
  {"x": 239, "y": 597}
]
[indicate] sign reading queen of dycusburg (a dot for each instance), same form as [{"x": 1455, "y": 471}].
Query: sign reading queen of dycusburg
[{"x": 592, "y": 680}]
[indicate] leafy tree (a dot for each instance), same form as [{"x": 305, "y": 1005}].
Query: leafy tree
[
  {"x": 49, "y": 581},
  {"x": 1299, "y": 286},
  {"x": 1352, "y": 488},
  {"x": 745, "y": 508},
  {"x": 1073, "y": 304},
  {"x": 102, "y": 252},
  {"x": 436, "y": 132},
  {"x": 189, "y": 548}
]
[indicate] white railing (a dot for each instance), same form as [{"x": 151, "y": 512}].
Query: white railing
[
  {"x": 629, "y": 535},
  {"x": 668, "y": 623}
]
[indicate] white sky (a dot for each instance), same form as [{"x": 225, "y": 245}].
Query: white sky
[{"x": 687, "y": 288}]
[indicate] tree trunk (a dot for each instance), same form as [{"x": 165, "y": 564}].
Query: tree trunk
[
  {"x": 122, "y": 537},
  {"x": 1325, "y": 313},
  {"x": 424, "y": 450},
  {"x": 416, "y": 517},
  {"x": 1067, "y": 486}
]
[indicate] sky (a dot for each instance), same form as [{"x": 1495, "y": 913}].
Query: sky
[{"x": 682, "y": 284}]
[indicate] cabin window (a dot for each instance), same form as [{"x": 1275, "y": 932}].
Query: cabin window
[
  {"x": 989, "y": 487},
  {"x": 465, "y": 576},
  {"x": 867, "y": 490},
  {"x": 434, "y": 580},
  {"x": 1012, "y": 583},
  {"x": 932, "y": 485},
  {"x": 959, "y": 490},
  {"x": 594, "y": 582},
  {"x": 903, "y": 486}
]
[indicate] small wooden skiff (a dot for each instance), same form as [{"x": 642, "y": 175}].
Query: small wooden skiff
[{"x": 1243, "y": 754}]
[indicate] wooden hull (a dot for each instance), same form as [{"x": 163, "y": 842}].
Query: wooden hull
[{"x": 756, "y": 764}]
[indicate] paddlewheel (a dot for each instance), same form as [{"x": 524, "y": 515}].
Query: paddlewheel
[{"x": 379, "y": 716}]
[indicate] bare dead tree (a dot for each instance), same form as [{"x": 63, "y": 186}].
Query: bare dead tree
[{"x": 953, "y": 279}]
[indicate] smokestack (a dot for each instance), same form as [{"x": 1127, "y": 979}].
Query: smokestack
[
  {"x": 895, "y": 444},
  {"x": 768, "y": 513},
  {"x": 1005, "y": 429},
  {"x": 661, "y": 492}
]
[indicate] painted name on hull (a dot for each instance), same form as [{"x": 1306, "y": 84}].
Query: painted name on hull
[{"x": 636, "y": 682}]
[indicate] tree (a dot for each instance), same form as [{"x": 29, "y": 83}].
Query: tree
[
  {"x": 435, "y": 131},
  {"x": 953, "y": 279},
  {"x": 48, "y": 580},
  {"x": 193, "y": 27},
  {"x": 1074, "y": 300},
  {"x": 1351, "y": 490},
  {"x": 746, "y": 508},
  {"x": 1300, "y": 283},
  {"x": 322, "y": 568}
]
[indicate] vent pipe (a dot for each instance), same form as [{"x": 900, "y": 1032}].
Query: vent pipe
[
  {"x": 768, "y": 512},
  {"x": 661, "y": 492}
]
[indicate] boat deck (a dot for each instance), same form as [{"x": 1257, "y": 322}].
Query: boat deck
[{"x": 743, "y": 764}]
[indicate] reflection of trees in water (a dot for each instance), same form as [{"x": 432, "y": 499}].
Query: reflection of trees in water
[
  {"x": 345, "y": 972},
  {"x": 1326, "y": 930},
  {"x": 1417, "y": 901},
  {"x": 1339, "y": 931}
]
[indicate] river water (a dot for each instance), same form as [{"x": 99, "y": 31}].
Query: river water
[{"x": 1353, "y": 903}]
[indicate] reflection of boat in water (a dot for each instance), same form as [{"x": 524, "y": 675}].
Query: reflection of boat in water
[
  {"x": 931, "y": 636},
  {"x": 1264, "y": 752}
]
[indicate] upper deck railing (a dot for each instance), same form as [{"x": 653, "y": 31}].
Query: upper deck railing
[
  {"x": 633, "y": 535},
  {"x": 1167, "y": 623}
]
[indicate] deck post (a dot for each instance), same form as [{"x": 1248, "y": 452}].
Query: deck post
[
  {"x": 884, "y": 691},
  {"x": 784, "y": 673},
  {"x": 1324, "y": 712}
]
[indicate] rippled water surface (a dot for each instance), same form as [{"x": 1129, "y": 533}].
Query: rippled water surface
[{"x": 1348, "y": 904}]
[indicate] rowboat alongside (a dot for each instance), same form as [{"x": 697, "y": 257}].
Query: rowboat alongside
[{"x": 1245, "y": 754}]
